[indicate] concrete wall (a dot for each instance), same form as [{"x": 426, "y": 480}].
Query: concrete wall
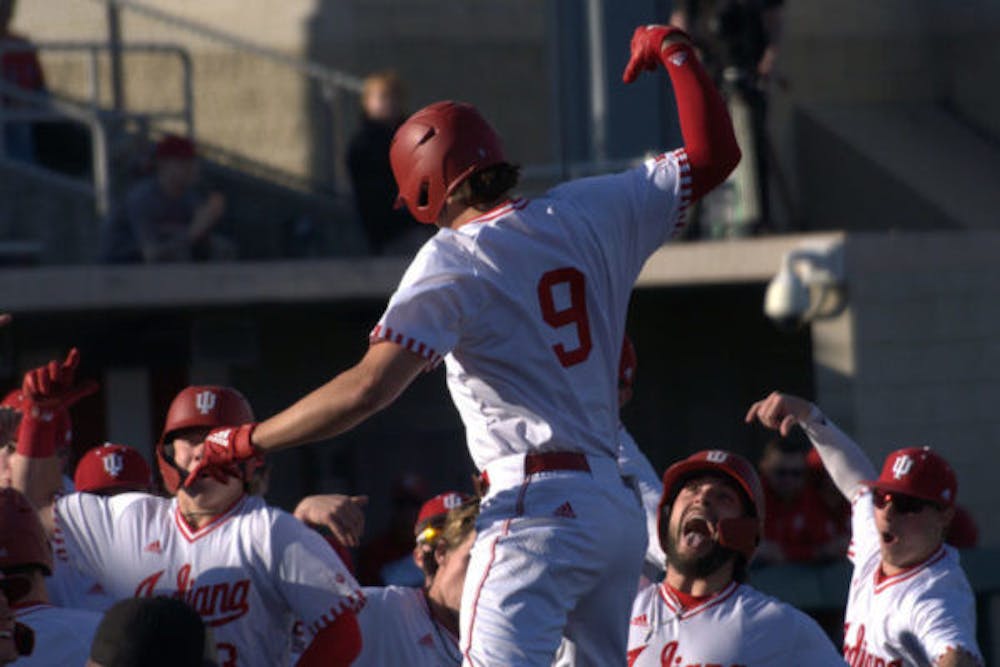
[
  {"x": 893, "y": 52},
  {"x": 915, "y": 360},
  {"x": 491, "y": 54}
]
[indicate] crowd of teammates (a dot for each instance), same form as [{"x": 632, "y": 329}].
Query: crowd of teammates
[{"x": 550, "y": 558}]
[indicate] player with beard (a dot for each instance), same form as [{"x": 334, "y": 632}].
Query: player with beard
[{"x": 710, "y": 522}]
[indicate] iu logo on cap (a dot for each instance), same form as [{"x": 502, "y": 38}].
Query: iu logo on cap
[
  {"x": 451, "y": 501},
  {"x": 717, "y": 456},
  {"x": 902, "y": 466},
  {"x": 204, "y": 401},
  {"x": 113, "y": 463}
]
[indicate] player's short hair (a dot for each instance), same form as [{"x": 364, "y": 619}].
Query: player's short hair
[{"x": 486, "y": 186}]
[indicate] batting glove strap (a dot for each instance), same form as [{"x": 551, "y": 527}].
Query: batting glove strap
[
  {"x": 38, "y": 433},
  {"x": 230, "y": 445},
  {"x": 647, "y": 49}
]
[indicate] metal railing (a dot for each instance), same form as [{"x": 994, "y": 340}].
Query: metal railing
[
  {"x": 39, "y": 108},
  {"x": 335, "y": 87},
  {"x": 93, "y": 52}
]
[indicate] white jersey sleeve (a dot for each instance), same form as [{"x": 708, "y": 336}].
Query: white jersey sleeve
[
  {"x": 437, "y": 294},
  {"x": 84, "y": 535},
  {"x": 307, "y": 572},
  {"x": 944, "y": 618},
  {"x": 864, "y": 534}
]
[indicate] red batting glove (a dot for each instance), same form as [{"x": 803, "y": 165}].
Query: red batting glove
[
  {"x": 49, "y": 391},
  {"x": 223, "y": 448},
  {"x": 647, "y": 42}
]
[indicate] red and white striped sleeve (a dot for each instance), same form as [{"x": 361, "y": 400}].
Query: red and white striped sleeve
[{"x": 437, "y": 294}]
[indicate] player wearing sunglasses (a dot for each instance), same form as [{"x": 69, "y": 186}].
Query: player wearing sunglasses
[{"x": 909, "y": 602}]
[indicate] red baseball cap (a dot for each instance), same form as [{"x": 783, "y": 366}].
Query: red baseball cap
[
  {"x": 174, "y": 147},
  {"x": 918, "y": 472},
  {"x": 434, "y": 511},
  {"x": 111, "y": 467}
]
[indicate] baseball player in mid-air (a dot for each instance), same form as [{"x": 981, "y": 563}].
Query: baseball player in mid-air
[
  {"x": 418, "y": 627},
  {"x": 711, "y": 518},
  {"x": 909, "y": 601},
  {"x": 248, "y": 569},
  {"x": 525, "y": 301}
]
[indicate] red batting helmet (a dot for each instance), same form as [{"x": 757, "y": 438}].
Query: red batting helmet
[
  {"x": 64, "y": 433},
  {"x": 109, "y": 468},
  {"x": 435, "y": 150},
  {"x": 22, "y": 539},
  {"x": 200, "y": 406},
  {"x": 740, "y": 534}
]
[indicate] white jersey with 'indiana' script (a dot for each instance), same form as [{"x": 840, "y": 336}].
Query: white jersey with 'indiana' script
[
  {"x": 249, "y": 573},
  {"x": 911, "y": 618},
  {"x": 738, "y": 627}
]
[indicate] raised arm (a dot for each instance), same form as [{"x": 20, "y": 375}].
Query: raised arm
[
  {"x": 709, "y": 140},
  {"x": 847, "y": 464},
  {"x": 342, "y": 403},
  {"x": 47, "y": 394}
]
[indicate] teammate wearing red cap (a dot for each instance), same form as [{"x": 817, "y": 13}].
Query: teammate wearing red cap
[
  {"x": 248, "y": 569},
  {"x": 525, "y": 301},
  {"x": 111, "y": 469},
  {"x": 909, "y": 602},
  {"x": 711, "y": 518}
]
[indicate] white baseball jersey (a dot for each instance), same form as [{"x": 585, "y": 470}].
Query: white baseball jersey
[
  {"x": 249, "y": 573},
  {"x": 636, "y": 466},
  {"x": 738, "y": 627},
  {"x": 911, "y": 618},
  {"x": 397, "y": 628},
  {"x": 68, "y": 587},
  {"x": 526, "y": 304},
  {"x": 62, "y": 636}
]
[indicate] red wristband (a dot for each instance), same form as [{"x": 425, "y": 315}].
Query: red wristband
[{"x": 39, "y": 432}]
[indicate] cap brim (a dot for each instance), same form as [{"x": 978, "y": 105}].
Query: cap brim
[{"x": 899, "y": 487}]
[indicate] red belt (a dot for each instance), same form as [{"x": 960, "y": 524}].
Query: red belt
[
  {"x": 547, "y": 461},
  {"x": 544, "y": 461}
]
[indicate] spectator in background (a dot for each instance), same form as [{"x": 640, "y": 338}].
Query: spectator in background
[
  {"x": 152, "y": 632},
  {"x": 390, "y": 230},
  {"x": 19, "y": 66},
  {"x": 388, "y": 558},
  {"x": 795, "y": 527},
  {"x": 838, "y": 509},
  {"x": 164, "y": 218},
  {"x": 962, "y": 531}
]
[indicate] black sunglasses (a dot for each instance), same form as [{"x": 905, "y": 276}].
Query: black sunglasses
[{"x": 903, "y": 504}]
